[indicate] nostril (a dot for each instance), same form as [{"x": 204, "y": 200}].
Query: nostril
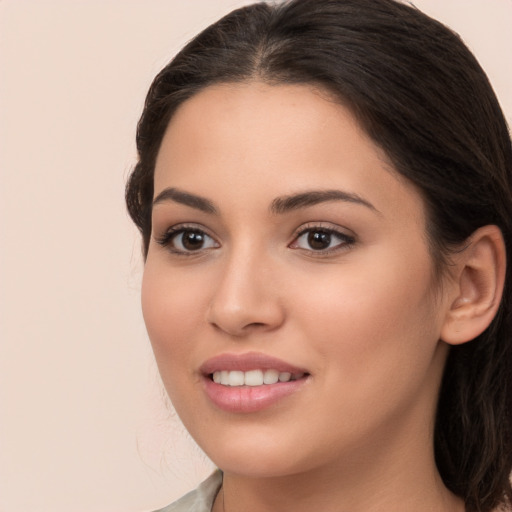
[{"x": 239, "y": 316}]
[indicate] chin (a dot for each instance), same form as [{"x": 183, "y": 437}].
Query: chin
[{"x": 254, "y": 453}]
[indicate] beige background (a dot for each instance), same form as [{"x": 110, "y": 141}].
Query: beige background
[{"x": 83, "y": 424}]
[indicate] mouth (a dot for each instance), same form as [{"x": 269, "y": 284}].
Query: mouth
[{"x": 250, "y": 382}]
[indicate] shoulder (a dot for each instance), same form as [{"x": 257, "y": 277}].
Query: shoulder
[{"x": 200, "y": 499}]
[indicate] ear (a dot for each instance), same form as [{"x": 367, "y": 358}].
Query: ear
[{"x": 477, "y": 287}]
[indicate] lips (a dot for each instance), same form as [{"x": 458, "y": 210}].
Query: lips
[
  {"x": 250, "y": 382},
  {"x": 246, "y": 362}
]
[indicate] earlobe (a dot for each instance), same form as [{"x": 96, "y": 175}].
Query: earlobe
[{"x": 478, "y": 286}]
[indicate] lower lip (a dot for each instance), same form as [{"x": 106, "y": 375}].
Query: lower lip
[{"x": 245, "y": 399}]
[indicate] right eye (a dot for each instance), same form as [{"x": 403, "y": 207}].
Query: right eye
[{"x": 184, "y": 240}]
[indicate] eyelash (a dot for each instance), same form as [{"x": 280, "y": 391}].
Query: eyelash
[
  {"x": 346, "y": 241},
  {"x": 172, "y": 233}
]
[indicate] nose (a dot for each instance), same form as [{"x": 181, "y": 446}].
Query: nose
[{"x": 247, "y": 297}]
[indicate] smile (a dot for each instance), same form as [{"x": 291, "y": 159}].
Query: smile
[
  {"x": 250, "y": 382},
  {"x": 253, "y": 377}
]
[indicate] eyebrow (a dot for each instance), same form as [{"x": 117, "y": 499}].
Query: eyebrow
[
  {"x": 285, "y": 204},
  {"x": 279, "y": 205},
  {"x": 185, "y": 198}
]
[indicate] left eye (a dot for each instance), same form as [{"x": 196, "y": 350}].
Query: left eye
[
  {"x": 321, "y": 239},
  {"x": 189, "y": 240}
]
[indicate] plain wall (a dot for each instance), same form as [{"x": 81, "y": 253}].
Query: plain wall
[{"x": 83, "y": 422}]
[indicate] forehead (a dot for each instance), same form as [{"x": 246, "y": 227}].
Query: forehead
[
  {"x": 256, "y": 140},
  {"x": 248, "y": 114}
]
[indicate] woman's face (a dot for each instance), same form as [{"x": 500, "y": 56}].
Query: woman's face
[{"x": 285, "y": 249}]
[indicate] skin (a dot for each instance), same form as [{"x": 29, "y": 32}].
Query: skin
[{"x": 364, "y": 318}]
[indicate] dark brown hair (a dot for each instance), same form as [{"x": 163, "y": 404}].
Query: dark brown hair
[{"x": 423, "y": 98}]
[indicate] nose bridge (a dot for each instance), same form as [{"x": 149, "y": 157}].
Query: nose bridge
[{"x": 246, "y": 298}]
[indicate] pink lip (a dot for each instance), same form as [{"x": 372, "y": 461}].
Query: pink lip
[
  {"x": 247, "y": 399},
  {"x": 246, "y": 362}
]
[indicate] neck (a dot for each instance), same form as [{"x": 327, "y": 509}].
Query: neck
[
  {"x": 396, "y": 473},
  {"x": 330, "y": 492}
]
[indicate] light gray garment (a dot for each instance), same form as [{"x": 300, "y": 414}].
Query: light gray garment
[{"x": 200, "y": 499}]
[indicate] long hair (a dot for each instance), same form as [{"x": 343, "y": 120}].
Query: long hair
[{"x": 421, "y": 96}]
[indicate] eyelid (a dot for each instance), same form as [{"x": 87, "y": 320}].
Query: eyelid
[{"x": 323, "y": 225}]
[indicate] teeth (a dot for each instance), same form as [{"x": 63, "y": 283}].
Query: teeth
[
  {"x": 284, "y": 377},
  {"x": 253, "y": 377},
  {"x": 236, "y": 378},
  {"x": 270, "y": 377}
]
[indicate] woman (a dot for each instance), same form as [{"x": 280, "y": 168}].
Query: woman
[{"x": 324, "y": 195}]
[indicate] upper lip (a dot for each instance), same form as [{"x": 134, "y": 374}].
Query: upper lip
[{"x": 246, "y": 362}]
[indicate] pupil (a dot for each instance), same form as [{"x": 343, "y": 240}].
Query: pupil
[
  {"x": 319, "y": 239},
  {"x": 192, "y": 240}
]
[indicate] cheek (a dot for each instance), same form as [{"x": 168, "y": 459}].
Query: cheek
[
  {"x": 172, "y": 310},
  {"x": 374, "y": 319},
  {"x": 374, "y": 340}
]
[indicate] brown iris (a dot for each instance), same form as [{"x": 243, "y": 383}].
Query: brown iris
[
  {"x": 319, "y": 240},
  {"x": 193, "y": 240}
]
